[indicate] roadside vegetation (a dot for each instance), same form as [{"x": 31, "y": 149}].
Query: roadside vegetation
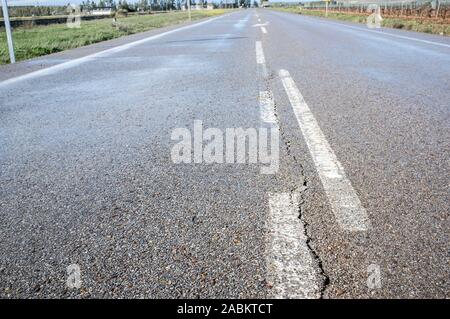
[
  {"x": 427, "y": 25},
  {"x": 34, "y": 41}
]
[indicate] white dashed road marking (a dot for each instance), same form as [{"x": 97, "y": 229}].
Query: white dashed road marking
[
  {"x": 267, "y": 107},
  {"x": 261, "y": 60},
  {"x": 344, "y": 201},
  {"x": 292, "y": 272},
  {"x": 266, "y": 102},
  {"x": 264, "y": 30}
]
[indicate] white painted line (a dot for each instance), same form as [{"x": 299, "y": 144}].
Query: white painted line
[
  {"x": 261, "y": 24},
  {"x": 264, "y": 30},
  {"x": 292, "y": 272},
  {"x": 104, "y": 53},
  {"x": 395, "y": 35},
  {"x": 267, "y": 107},
  {"x": 384, "y": 33},
  {"x": 260, "y": 59},
  {"x": 259, "y": 20},
  {"x": 344, "y": 201}
]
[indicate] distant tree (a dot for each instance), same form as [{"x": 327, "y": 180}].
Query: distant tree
[
  {"x": 124, "y": 5},
  {"x": 110, "y": 3}
]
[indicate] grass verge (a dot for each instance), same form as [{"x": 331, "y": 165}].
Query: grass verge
[
  {"x": 41, "y": 40},
  {"x": 433, "y": 26}
]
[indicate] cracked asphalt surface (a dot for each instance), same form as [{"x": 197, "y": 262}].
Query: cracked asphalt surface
[{"x": 87, "y": 178}]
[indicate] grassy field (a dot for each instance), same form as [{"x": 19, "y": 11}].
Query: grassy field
[
  {"x": 41, "y": 40},
  {"x": 420, "y": 25}
]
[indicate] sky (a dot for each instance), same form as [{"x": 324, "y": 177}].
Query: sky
[{"x": 64, "y": 2}]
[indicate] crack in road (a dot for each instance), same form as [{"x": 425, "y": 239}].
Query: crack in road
[
  {"x": 299, "y": 190},
  {"x": 325, "y": 279}
]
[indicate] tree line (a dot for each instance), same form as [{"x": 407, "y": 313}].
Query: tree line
[{"x": 142, "y": 5}]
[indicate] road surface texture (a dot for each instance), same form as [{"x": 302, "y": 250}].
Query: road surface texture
[{"x": 359, "y": 206}]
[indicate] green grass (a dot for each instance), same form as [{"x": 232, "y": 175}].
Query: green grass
[
  {"x": 41, "y": 40},
  {"x": 418, "y": 25}
]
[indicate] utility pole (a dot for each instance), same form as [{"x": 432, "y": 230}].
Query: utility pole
[
  {"x": 189, "y": 9},
  {"x": 9, "y": 38},
  {"x": 438, "y": 7}
]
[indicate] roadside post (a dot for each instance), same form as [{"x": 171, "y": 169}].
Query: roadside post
[
  {"x": 326, "y": 8},
  {"x": 9, "y": 38},
  {"x": 189, "y": 8}
]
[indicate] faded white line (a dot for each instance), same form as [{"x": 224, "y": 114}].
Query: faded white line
[
  {"x": 260, "y": 59},
  {"x": 264, "y": 30},
  {"x": 267, "y": 107},
  {"x": 382, "y": 33},
  {"x": 344, "y": 201},
  {"x": 292, "y": 272},
  {"x": 393, "y": 35},
  {"x": 104, "y": 53},
  {"x": 240, "y": 24}
]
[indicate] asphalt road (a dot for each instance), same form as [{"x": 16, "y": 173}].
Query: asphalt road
[{"x": 358, "y": 208}]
